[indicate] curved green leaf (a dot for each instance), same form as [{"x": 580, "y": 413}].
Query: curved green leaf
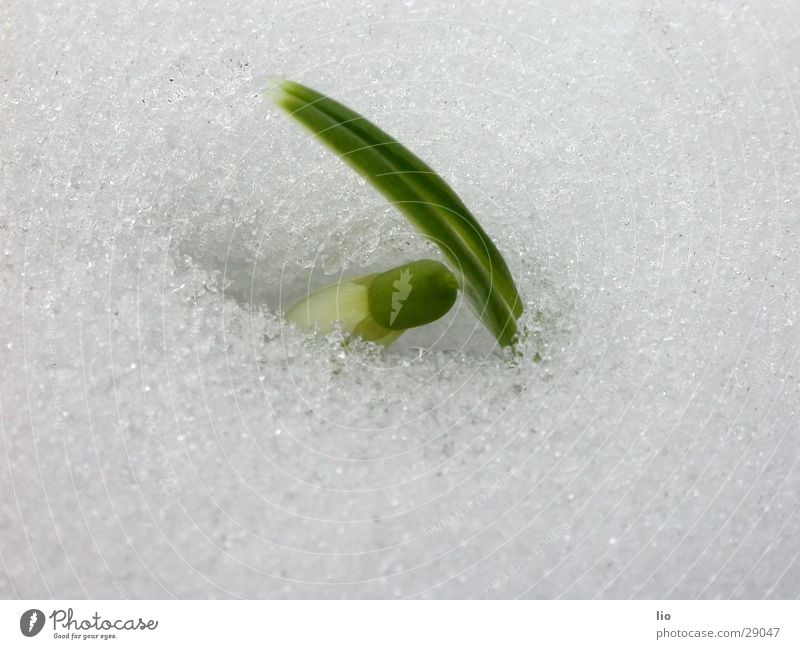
[{"x": 420, "y": 194}]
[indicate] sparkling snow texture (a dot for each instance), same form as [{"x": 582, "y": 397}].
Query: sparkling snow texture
[{"x": 164, "y": 434}]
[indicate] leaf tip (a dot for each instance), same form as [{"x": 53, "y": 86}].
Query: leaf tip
[{"x": 273, "y": 87}]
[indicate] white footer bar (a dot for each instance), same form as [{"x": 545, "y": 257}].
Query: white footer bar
[{"x": 401, "y": 625}]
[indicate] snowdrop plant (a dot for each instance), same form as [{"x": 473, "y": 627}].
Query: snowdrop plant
[{"x": 380, "y": 307}]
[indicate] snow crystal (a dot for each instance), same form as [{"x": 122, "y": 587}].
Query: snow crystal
[{"x": 166, "y": 434}]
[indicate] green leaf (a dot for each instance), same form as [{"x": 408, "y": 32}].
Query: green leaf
[{"x": 420, "y": 194}]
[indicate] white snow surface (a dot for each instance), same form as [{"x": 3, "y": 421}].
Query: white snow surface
[{"x": 164, "y": 434}]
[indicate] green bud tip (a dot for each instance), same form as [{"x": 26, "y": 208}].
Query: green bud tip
[{"x": 412, "y": 295}]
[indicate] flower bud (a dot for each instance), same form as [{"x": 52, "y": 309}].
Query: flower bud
[
  {"x": 412, "y": 295},
  {"x": 380, "y": 307}
]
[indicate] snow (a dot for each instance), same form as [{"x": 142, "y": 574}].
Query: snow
[{"x": 165, "y": 435}]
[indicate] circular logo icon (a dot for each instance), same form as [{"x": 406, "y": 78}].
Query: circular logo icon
[{"x": 31, "y": 622}]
